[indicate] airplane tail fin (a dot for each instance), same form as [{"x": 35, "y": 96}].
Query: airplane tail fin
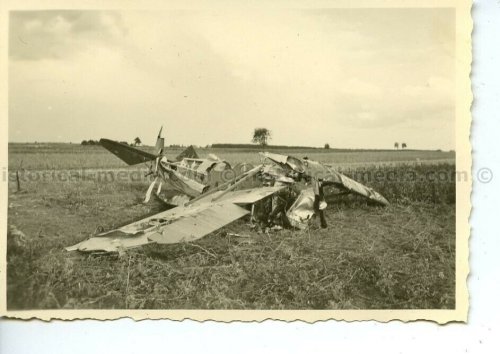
[
  {"x": 160, "y": 143},
  {"x": 190, "y": 153},
  {"x": 133, "y": 156},
  {"x": 130, "y": 155}
]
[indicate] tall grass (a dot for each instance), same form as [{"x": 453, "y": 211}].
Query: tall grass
[
  {"x": 369, "y": 257},
  {"x": 405, "y": 183}
]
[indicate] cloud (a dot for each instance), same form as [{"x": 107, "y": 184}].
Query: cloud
[
  {"x": 436, "y": 88},
  {"x": 36, "y": 35},
  {"x": 353, "y": 78}
]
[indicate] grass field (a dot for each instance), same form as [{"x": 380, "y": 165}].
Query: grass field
[
  {"x": 71, "y": 156},
  {"x": 369, "y": 257}
]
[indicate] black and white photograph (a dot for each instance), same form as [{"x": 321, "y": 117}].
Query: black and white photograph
[{"x": 246, "y": 159}]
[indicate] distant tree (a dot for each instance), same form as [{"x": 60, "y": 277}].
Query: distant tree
[
  {"x": 137, "y": 141},
  {"x": 327, "y": 146},
  {"x": 261, "y": 136},
  {"x": 396, "y": 145},
  {"x": 403, "y": 146},
  {"x": 85, "y": 142}
]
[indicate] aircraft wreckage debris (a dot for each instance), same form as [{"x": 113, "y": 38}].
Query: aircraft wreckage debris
[{"x": 286, "y": 192}]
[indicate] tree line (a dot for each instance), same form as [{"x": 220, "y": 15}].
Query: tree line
[
  {"x": 260, "y": 136},
  {"x": 136, "y": 142}
]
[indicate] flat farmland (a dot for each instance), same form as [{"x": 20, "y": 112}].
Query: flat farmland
[
  {"x": 369, "y": 257},
  {"x": 47, "y": 156}
]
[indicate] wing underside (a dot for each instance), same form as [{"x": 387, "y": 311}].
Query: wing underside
[
  {"x": 195, "y": 226},
  {"x": 180, "y": 224}
]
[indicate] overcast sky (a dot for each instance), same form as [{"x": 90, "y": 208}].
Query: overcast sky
[{"x": 360, "y": 78}]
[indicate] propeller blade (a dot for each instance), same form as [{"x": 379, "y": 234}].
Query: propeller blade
[
  {"x": 150, "y": 190},
  {"x": 156, "y": 165},
  {"x": 159, "y": 188},
  {"x": 150, "y": 170}
]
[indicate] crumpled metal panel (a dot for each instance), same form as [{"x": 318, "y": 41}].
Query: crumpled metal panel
[
  {"x": 363, "y": 190},
  {"x": 273, "y": 170},
  {"x": 221, "y": 166},
  {"x": 205, "y": 166},
  {"x": 321, "y": 172},
  {"x": 184, "y": 184},
  {"x": 291, "y": 162},
  {"x": 326, "y": 175},
  {"x": 302, "y": 210},
  {"x": 275, "y": 157}
]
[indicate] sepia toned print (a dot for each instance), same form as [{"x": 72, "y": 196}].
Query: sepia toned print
[{"x": 234, "y": 163}]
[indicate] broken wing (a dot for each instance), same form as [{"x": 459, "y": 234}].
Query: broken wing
[
  {"x": 360, "y": 189},
  {"x": 179, "y": 224}
]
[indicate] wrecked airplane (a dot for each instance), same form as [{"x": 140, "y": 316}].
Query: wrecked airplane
[{"x": 209, "y": 194}]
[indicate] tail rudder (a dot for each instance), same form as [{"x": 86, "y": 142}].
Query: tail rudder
[
  {"x": 128, "y": 154},
  {"x": 189, "y": 153}
]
